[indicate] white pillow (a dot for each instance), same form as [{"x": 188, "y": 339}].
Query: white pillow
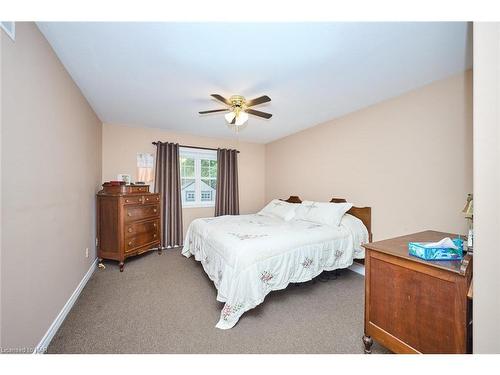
[
  {"x": 327, "y": 213},
  {"x": 303, "y": 209},
  {"x": 280, "y": 209}
]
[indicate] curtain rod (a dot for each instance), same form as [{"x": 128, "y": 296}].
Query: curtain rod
[{"x": 200, "y": 148}]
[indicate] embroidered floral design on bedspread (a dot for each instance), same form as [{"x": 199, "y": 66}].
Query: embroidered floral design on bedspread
[
  {"x": 312, "y": 226},
  {"x": 266, "y": 277},
  {"x": 248, "y": 236},
  {"x": 307, "y": 263},
  {"x": 338, "y": 254},
  {"x": 258, "y": 223},
  {"x": 229, "y": 310}
]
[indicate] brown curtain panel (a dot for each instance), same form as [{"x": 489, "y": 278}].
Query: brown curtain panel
[
  {"x": 168, "y": 184},
  {"x": 226, "y": 196}
]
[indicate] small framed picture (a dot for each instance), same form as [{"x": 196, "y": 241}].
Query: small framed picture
[{"x": 124, "y": 177}]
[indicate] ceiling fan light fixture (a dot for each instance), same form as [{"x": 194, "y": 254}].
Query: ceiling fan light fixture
[
  {"x": 239, "y": 109},
  {"x": 241, "y": 118},
  {"x": 230, "y": 116}
]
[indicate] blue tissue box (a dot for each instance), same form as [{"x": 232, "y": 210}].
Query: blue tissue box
[{"x": 418, "y": 250}]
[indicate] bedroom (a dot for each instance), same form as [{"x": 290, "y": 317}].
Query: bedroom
[{"x": 280, "y": 205}]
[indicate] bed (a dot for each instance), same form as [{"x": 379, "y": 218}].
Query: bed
[{"x": 248, "y": 256}]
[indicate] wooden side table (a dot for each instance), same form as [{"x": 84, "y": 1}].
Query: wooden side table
[{"x": 413, "y": 305}]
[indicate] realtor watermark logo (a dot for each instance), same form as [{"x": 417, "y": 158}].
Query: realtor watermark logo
[{"x": 21, "y": 350}]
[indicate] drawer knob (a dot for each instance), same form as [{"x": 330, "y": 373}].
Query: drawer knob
[
  {"x": 147, "y": 199},
  {"x": 154, "y": 235},
  {"x": 130, "y": 230},
  {"x": 154, "y": 225},
  {"x": 154, "y": 210},
  {"x": 130, "y": 243},
  {"x": 129, "y": 214},
  {"x": 127, "y": 200},
  {"x": 157, "y": 198}
]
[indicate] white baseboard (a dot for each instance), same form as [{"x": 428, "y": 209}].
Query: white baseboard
[
  {"x": 358, "y": 268},
  {"x": 49, "y": 335}
]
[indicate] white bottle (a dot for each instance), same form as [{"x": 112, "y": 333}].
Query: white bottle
[{"x": 469, "y": 238}]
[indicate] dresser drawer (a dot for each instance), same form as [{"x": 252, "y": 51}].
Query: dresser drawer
[
  {"x": 140, "y": 234},
  {"x": 141, "y": 199},
  {"x": 135, "y": 213},
  {"x": 133, "y": 199},
  {"x": 151, "y": 198},
  {"x": 142, "y": 228},
  {"x": 139, "y": 189}
]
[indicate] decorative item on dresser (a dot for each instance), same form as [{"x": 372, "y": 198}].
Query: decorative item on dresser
[
  {"x": 128, "y": 221},
  {"x": 413, "y": 305}
]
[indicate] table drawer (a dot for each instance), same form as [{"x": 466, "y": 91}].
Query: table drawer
[{"x": 135, "y": 213}]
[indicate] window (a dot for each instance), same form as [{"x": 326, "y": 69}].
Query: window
[{"x": 198, "y": 177}]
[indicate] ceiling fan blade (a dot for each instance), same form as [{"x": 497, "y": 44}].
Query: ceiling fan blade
[
  {"x": 213, "y": 110},
  {"x": 221, "y": 98},
  {"x": 259, "y": 100},
  {"x": 258, "y": 113},
  {"x": 234, "y": 121}
]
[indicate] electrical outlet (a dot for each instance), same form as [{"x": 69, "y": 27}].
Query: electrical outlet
[{"x": 86, "y": 252}]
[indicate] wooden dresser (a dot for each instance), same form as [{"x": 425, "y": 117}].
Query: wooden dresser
[
  {"x": 128, "y": 222},
  {"x": 413, "y": 305}
]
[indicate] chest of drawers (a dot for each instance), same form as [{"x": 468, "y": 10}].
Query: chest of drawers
[
  {"x": 413, "y": 305},
  {"x": 128, "y": 222}
]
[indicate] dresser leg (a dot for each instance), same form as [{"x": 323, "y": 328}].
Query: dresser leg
[
  {"x": 159, "y": 250},
  {"x": 368, "y": 342},
  {"x": 100, "y": 264},
  {"x": 121, "y": 266}
]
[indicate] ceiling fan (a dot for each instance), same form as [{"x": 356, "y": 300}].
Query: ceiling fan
[{"x": 239, "y": 109}]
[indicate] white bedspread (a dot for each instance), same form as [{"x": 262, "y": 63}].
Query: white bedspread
[{"x": 248, "y": 256}]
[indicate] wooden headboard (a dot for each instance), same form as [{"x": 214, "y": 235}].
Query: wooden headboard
[{"x": 362, "y": 213}]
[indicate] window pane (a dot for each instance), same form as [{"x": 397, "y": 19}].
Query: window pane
[
  {"x": 188, "y": 189},
  {"x": 208, "y": 184},
  {"x": 205, "y": 171},
  {"x": 187, "y": 167},
  {"x": 213, "y": 168}
]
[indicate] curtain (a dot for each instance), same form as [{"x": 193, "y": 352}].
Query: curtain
[
  {"x": 226, "y": 196},
  {"x": 168, "y": 184}
]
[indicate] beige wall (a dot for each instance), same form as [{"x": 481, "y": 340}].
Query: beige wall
[
  {"x": 120, "y": 145},
  {"x": 486, "y": 187},
  {"x": 409, "y": 158},
  {"x": 51, "y": 168}
]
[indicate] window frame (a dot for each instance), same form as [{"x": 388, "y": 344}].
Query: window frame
[{"x": 197, "y": 155}]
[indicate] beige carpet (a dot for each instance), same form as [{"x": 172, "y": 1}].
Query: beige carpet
[{"x": 166, "y": 304}]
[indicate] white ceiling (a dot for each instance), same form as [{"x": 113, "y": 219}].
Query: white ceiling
[{"x": 161, "y": 74}]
